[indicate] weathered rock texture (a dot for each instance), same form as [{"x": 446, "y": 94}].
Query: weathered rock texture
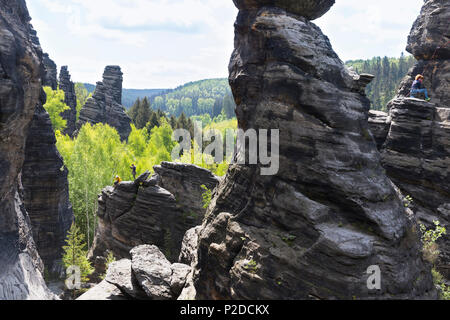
[
  {"x": 148, "y": 275},
  {"x": 46, "y": 191},
  {"x": 416, "y": 151},
  {"x": 313, "y": 229},
  {"x": 105, "y": 105},
  {"x": 379, "y": 125},
  {"x": 70, "y": 98},
  {"x": 310, "y": 9},
  {"x": 51, "y": 73},
  {"x": 158, "y": 211},
  {"x": 21, "y": 71},
  {"x": 429, "y": 43}
]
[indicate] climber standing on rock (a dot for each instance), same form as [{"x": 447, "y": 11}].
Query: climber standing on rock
[
  {"x": 418, "y": 87},
  {"x": 133, "y": 171}
]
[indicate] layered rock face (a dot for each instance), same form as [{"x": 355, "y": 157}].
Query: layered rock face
[
  {"x": 416, "y": 152},
  {"x": 379, "y": 125},
  {"x": 51, "y": 73},
  {"x": 21, "y": 71},
  {"x": 70, "y": 99},
  {"x": 158, "y": 211},
  {"x": 314, "y": 229},
  {"x": 46, "y": 191},
  {"x": 105, "y": 105},
  {"x": 429, "y": 43}
]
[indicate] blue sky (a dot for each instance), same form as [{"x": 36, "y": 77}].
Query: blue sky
[{"x": 166, "y": 43}]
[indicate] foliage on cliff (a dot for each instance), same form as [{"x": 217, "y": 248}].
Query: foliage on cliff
[{"x": 388, "y": 73}]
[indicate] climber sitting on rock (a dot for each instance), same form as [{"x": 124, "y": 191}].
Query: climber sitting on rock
[
  {"x": 117, "y": 180},
  {"x": 418, "y": 87}
]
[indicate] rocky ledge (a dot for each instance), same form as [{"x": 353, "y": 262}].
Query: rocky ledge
[{"x": 155, "y": 211}]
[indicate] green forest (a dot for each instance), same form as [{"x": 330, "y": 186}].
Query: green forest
[
  {"x": 149, "y": 143},
  {"x": 388, "y": 73}
]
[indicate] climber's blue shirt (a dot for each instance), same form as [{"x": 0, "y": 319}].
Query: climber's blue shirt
[{"x": 417, "y": 85}]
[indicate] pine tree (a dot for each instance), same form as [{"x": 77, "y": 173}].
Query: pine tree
[
  {"x": 75, "y": 253},
  {"x": 143, "y": 114}
]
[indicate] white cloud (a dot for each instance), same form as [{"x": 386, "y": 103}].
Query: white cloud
[
  {"x": 164, "y": 43},
  {"x": 363, "y": 29}
]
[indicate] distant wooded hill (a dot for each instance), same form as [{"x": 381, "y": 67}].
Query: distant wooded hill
[
  {"x": 388, "y": 73},
  {"x": 214, "y": 97},
  {"x": 129, "y": 96}
]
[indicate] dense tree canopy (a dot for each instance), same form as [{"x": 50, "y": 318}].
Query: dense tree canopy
[{"x": 388, "y": 73}]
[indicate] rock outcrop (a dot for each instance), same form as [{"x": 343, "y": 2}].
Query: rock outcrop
[
  {"x": 416, "y": 151},
  {"x": 314, "y": 229},
  {"x": 46, "y": 191},
  {"x": 148, "y": 275},
  {"x": 105, "y": 105},
  {"x": 21, "y": 73},
  {"x": 379, "y": 125},
  {"x": 70, "y": 99},
  {"x": 429, "y": 43},
  {"x": 158, "y": 211},
  {"x": 50, "y": 73}
]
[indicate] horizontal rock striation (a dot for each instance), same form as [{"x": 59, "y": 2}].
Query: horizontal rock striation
[
  {"x": 429, "y": 43},
  {"x": 313, "y": 230},
  {"x": 105, "y": 105},
  {"x": 46, "y": 191},
  {"x": 51, "y": 73},
  {"x": 145, "y": 212},
  {"x": 70, "y": 99},
  {"x": 21, "y": 71},
  {"x": 379, "y": 125},
  {"x": 416, "y": 153}
]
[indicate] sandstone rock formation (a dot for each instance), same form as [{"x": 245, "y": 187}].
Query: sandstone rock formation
[
  {"x": 46, "y": 191},
  {"x": 379, "y": 125},
  {"x": 416, "y": 151},
  {"x": 50, "y": 73},
  {"x": 105, "y": 105},
  {"x": 148, "y": 275},
  {"x": 21, "y": 71},
  {"x": 157, "y": 211},
  {"x": 66, "y": 84},
  {"x": 312, "y": 230},
  {"x": 429, "y": 43}
]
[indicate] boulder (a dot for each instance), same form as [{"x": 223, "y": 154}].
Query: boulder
[{"x": 160, "y": 279}]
